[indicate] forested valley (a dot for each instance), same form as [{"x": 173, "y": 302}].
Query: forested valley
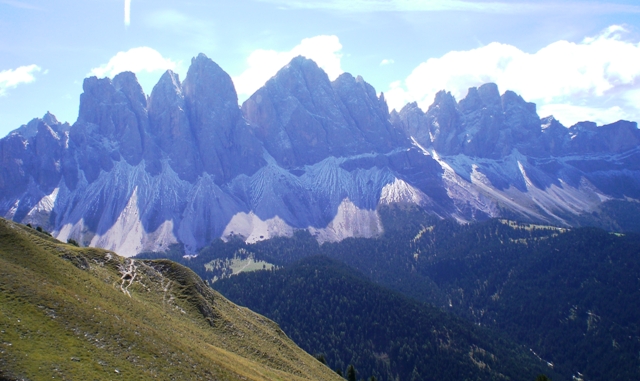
[{"x": 563, "y": 296}]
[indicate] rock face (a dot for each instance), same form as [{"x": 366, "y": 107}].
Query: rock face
[
  {"x": 302, "y": 118},
  {"x": 187, "y": 165},
  {"x": 225, "y": 144},
  {"x": 483, "y": 124}
]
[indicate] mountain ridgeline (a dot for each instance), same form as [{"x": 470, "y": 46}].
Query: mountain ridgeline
[{"x": 187, "y": 164}]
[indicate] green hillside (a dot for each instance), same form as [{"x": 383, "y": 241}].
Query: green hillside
[{"x": 87, "y": 314}]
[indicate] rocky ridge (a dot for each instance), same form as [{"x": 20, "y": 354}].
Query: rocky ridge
[{"x": 188, "y": 164}]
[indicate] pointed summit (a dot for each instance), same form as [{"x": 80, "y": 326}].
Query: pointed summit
[
  {"x": 225, "y": 144},
  {"x": 50, "y": 119},
  {"x": 298, "y": 116},
  {"x": 208, "y": 82},
  {"x": 302, "y": 117},
  {"x": 169, "y": 125}
]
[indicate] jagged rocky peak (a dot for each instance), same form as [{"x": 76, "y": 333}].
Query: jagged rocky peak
[
  {"x": 523, "y": 123},
  {"x": 483, "y": 124},
  {"x": 305, "y": 80},
  {"x": 225, "y": 144},
  {"x": 486, "y": 96},
  {"x": 444, "y": 123},
  {"x": 588, "y": 138},
  {"x": 169, "y": 125},
  {"x": 549, "y": 123},
  {"x": 298, "y": 116},
  {"x": 412, "y": 122},
  {"x": 32, "y": 154},
  {"x": 302, "y": 117},
  {"x": 207, "y": 85},
  {"x": 368, "y": 111},
  {"x": 50, "y": 119},
  {"x": 352, "y": 89},
  {"x": 53, "y": 122},
  {"x": 554, "y": 137},
  {"x": 483, "y": 129},
  {"x": 127, "y": 83},
  {"x": 115, "y": 110},
  {"x": 438, "y": 128},
  {"x": 30, "y": 129},
  {"x": 167, "y": 91}
]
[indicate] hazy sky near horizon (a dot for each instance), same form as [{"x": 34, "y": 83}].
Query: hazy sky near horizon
[{"x": 578, "y": 60}]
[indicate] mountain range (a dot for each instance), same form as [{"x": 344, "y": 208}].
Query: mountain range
[{"x": 187, "y": 164}]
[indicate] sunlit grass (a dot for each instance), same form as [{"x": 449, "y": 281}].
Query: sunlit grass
[{"x": 74, "y": 313}]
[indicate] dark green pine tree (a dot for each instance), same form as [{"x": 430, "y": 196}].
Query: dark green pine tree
[
  {"x": 415, "y": 376},
  {"x": 542, "y": 377},
  {"x": 351, "y": 373}
]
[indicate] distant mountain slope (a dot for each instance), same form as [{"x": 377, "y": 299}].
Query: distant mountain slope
[
  {"x": 187, "y": 164},
  {"x": 571, "y": 296},
  {"x": 86, "y": 314},
  {"x": 567, "y": 294},
  {"x": 327, "y": 308}
]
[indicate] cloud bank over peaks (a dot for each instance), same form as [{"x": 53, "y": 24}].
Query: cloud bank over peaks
[
  {"x": 11, "y": 78},
  {"x": 147, "y": 63},
  {"x": 264, "y": 64},
  {"x": 596, "y": 79},
  {"x": 136, "y": 60}
]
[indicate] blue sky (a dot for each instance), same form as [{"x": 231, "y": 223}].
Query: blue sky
[{"x": 578, "y": 60}]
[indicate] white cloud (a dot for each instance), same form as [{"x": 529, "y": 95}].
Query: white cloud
[
  {"x": 264, "y": 64},
  {"x": 11, "y": 78},
  {"x": 147, "y": 63},
  {"x": 574, "y": 81},
  {"x": 386, "y": 62},
  {"x": 142, "y": 59}
]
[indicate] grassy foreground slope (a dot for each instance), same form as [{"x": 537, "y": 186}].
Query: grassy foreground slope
[{"x": 74, "y": 313}]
